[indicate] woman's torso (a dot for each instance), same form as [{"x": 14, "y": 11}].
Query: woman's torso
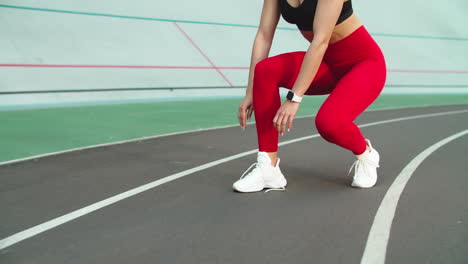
[{"x": 306, "y": 8}]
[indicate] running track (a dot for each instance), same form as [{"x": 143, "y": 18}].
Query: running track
[{"x": 197, "y": 218}]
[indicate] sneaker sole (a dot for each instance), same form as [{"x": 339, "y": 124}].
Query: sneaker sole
[
  {"x": 267, "y": 186},
  {"x": 275, "y": 187},
  {"x": 361, "y": 187},
  {"x": 248, "y": 191}
]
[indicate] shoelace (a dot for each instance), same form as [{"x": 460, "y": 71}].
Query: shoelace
[
  {"x": 247, "y": 170},
  {"x": 276, "y": 189},
  {"x": 361, "y": 163},
  {"x": 272, "y": 189}
]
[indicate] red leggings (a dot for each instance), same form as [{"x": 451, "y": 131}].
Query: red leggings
[{"x": 353, "y": 73}]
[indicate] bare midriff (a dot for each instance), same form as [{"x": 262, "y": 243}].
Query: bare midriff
[{"x": 340, "y": 31}]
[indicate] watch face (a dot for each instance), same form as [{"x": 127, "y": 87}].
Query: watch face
[{"x": 290, "y": 95}]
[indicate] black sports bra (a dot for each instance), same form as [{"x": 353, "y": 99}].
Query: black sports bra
[{"x": 303, "y": 15}]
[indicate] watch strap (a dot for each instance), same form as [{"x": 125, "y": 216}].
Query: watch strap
[{"x": 293, "y": 97}]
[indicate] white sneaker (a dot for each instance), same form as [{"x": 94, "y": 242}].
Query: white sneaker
[
  {"x": 264, "y": 175},
  {"x": 365, "y": 173}
]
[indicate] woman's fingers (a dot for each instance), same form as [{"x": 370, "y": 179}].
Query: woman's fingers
[
  {"x": 244, "y": 114},
  {"x": 284, "y": 117},
  {"x": 278, "y": 121},
  {"x": 249, "y": 112},
  {"x": 241, "y": 116},
  {"x": 282, "y": 122},
  {"x": 291, "y": 119}
]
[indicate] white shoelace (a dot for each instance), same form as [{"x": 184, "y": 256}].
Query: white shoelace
[
  {"x": 361, "y": 163},
  {"x": 276, "y": 189},
  {"x": 272, "y": 189},
  {"x": 247, "y": 170}
]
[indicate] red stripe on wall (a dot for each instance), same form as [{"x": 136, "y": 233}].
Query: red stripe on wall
[{"x": 184, "y": 67}]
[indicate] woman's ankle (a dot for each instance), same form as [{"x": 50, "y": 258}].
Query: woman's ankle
[{"x": 273, "y": 157}]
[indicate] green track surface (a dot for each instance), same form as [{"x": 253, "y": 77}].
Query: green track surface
[{"x": 27, "y": 133}]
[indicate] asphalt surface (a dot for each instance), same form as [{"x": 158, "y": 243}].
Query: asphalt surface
[{"x": 199, "y": 219}]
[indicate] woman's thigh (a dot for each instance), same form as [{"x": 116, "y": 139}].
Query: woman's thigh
[
  {"x": 285, "y": 67},
  {"x": 356, "y": 90}
]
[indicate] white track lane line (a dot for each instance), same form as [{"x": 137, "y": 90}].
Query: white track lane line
[
  {"x": 13, "y": 239},
  {"x": 178, "y": 133},
  {"x": 377, "y": 241}
]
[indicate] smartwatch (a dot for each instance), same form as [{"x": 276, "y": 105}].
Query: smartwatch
[{"x": 293, "y": 97}]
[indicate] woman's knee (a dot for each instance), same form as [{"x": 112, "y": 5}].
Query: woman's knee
[
  {"x": 279, "y": 66},
  {"x": 266, "y": 67},
  {"x": 266, "y": 76},
  {"x": 328, "y": 126}
]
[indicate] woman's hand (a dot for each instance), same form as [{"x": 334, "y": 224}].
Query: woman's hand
[
  {"x": 285, "y": 115},
  {"x": 245, "y": 110}
]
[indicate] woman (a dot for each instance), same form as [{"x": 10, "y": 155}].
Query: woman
[{"x": 343, "y": 60}]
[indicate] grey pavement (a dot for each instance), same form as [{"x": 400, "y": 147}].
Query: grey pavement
[{"x": 199, "y": 219}]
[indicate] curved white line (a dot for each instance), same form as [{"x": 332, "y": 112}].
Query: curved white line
[
  {"x": 377, "y": 241},
  {"x": 178, "y": 133},
  {"x": 13, "y": 239}
]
